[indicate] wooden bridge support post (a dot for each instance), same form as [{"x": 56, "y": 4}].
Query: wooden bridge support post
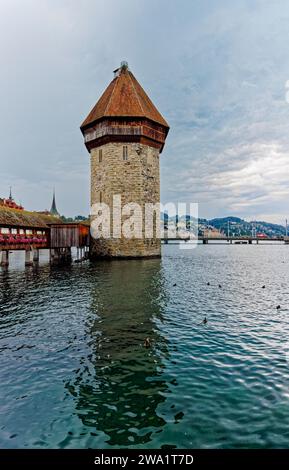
[
  {"x": 67, "y": 255},
  {"x": 82, "y": 254},
  {"x": 28, "y": 258},
  {"x": 60, "y": 255},
  {"x": 4, "y": 258},
  {"x": 52, "y": 255},
  {"x": 35, "y": 255}
]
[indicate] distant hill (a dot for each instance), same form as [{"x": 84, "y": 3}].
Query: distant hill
[{"x": 238, "y": 226}]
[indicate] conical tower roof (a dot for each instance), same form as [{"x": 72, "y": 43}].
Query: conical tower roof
[{"x": 124, "y": 97}]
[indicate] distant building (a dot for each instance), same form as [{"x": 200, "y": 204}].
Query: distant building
[
  {"x": 9, "y": 202},
  {"x": 53, "y": 210},
  {"x": 261, "y": 235}
]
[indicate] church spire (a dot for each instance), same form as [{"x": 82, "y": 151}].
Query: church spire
[
  {"x": 10, "y": 194},
  {"x": 53, "y": 210}
]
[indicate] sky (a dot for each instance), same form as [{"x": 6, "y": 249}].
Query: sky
[{"x": 217, "y": 70}]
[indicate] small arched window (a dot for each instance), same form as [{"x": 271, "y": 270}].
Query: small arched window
[{"x": 100, "y": 155}]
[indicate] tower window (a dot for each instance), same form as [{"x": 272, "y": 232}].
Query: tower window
[
  {"x": 100, "y": 155},
  {"x": 124, "y": 152}
]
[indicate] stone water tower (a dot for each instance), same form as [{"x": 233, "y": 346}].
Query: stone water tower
[{"x": 125, "y": 134}]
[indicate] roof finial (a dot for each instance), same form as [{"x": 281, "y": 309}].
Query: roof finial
[
  {"x": 124, "y": 65},
  {"x": 10, "y": 195}
]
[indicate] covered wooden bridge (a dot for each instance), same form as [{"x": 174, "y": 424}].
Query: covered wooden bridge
[{"x": 32, "y": 231}]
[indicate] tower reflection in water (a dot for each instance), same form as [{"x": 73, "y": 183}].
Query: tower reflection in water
[{"x": 119, "y": 391}]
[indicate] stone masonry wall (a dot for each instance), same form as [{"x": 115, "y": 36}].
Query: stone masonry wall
[{"x": 136, "y": 180}]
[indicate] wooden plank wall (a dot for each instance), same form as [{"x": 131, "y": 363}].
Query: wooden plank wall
[{"x": 68, "y": 235}]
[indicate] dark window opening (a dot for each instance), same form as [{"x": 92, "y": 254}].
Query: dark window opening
[{"x": 124, "y": 152}]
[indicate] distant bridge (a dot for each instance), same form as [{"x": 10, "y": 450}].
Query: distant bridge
[{"x": 243, "y": 240}]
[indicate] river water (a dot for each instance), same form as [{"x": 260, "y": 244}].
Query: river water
[{"x": 74, "y": 372}]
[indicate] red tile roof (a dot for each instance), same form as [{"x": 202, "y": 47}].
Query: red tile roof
[{"x": 124, "y": 97}]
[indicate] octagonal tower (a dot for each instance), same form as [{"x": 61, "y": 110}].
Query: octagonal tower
[{"x": 125, "y": 134}]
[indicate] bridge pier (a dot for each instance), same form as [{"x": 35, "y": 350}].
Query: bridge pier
[
  {"x": 205, "y": 241},
  {"x": 28, "y": 258},
  {"x": 81, "y": 255},
  {"x": 51, "y": 255},
  {"x": 60, "y": 255},
  {"x": 36, "y": 256},
  {"x": 4, "y": 258}
]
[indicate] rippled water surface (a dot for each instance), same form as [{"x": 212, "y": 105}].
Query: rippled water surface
[{"x": 75, "y": 373}]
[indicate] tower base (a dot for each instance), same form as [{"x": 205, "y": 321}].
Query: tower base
[{"x": 126, "y": 249}]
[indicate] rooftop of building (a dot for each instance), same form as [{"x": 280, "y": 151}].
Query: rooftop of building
[
  {"x": 124, "y": 97},
  {"x": 10, "y": 202},
  {"x": 22, "y": 218}
]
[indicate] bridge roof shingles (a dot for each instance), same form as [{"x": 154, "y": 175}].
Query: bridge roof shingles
[{"x": 19, "y": 218}]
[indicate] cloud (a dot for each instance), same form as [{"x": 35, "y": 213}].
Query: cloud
[{"x": 216, "y": 70}]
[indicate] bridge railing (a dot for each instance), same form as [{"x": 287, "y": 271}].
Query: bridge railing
[{"x": 21, "y": 237}]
